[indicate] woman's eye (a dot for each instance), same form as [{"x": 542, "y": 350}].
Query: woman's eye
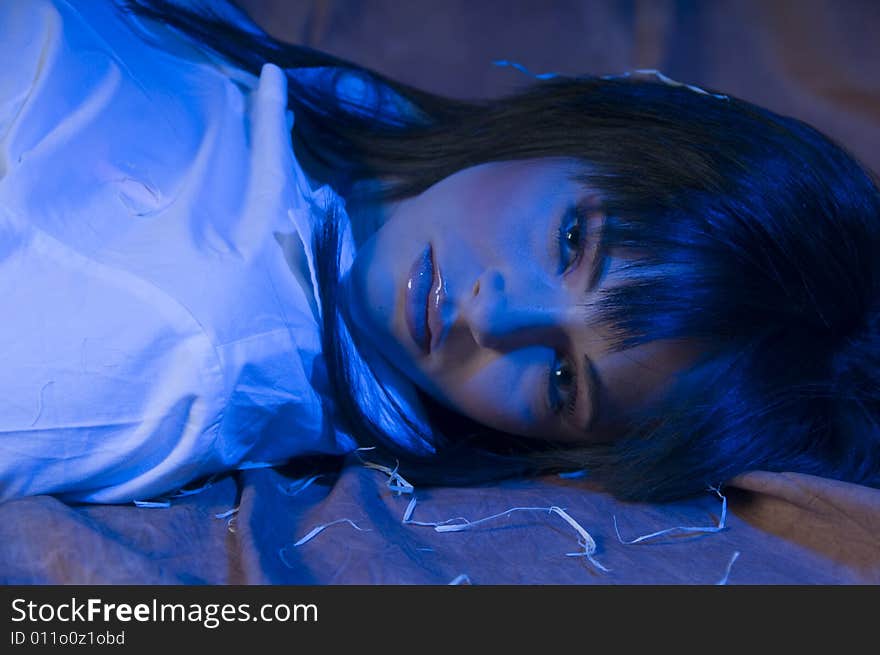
[
  {"x": 562, "y": 386},
  {"x": 572, "y": 239}
]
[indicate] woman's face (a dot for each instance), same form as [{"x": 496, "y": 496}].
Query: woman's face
[{"x": 478, "y": 291}]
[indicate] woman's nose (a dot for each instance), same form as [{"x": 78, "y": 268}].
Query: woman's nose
[{"x": 502, "y": 317}]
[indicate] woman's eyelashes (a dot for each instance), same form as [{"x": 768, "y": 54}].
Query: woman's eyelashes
[
  {"x": 571, "y": 239},
  {"x": 562, "y": 386}
]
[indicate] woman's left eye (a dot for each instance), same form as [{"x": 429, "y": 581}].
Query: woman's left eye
[
  {"x": 572, "y": 239},
  {"x": 562, "y": 386}
]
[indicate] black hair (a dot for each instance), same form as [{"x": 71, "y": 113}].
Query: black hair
[{"x": 753, "y": 233}]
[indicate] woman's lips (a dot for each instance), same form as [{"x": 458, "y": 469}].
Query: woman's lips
[
  {"x": 418, "y": 286},
  {"x": 437, "y": 307}
]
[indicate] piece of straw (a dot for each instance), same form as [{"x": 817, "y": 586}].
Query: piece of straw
[
  {"x": 460, "y": 523},
  {"x": 681, "y": 529},
  {"x": 184, "y": 491},
  {"x": 316, "y": 531},
  {"x": 395, "y": 481},
  {"x": 523, "y": 69},
  {"x": 245, "y": 466},
  {"x": 409, "y": 509},
  {"x": 231, "y": 516},
  {"x": 587, "y": 541},
  {"x": 155, "y": 504},
  {"x": 297, "y": 486},
  {"x": 640, "y": 71},
  {"x": 666, "y": 80},
  {"x": 283, "y": 557},
  {"x": 723, "y": 581},
  {"x": 226, "y": 514}
]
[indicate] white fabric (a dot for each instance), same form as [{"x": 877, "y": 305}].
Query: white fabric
[{"x": 159, "y": 320}]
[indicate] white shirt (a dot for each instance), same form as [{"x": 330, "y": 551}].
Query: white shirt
[{"x": 159, "y": 320}]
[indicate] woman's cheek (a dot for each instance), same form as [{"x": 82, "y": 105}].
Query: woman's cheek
[
  {"x": 371, "y": 292},
  {"x": 506, "y": 393}
]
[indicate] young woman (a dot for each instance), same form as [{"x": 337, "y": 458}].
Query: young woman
[{"x": 219, "y": 250}]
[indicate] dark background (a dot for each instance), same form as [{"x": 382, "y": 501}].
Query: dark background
[{"x": 817, "y": 60}]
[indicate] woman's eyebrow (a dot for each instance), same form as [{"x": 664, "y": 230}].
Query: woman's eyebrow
[
  {"x": 594, "y": 385},
  {"x": 598, "y": 260},
  {"x": 591, "y": 375},
  {"x": 594, "y": 382}
]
